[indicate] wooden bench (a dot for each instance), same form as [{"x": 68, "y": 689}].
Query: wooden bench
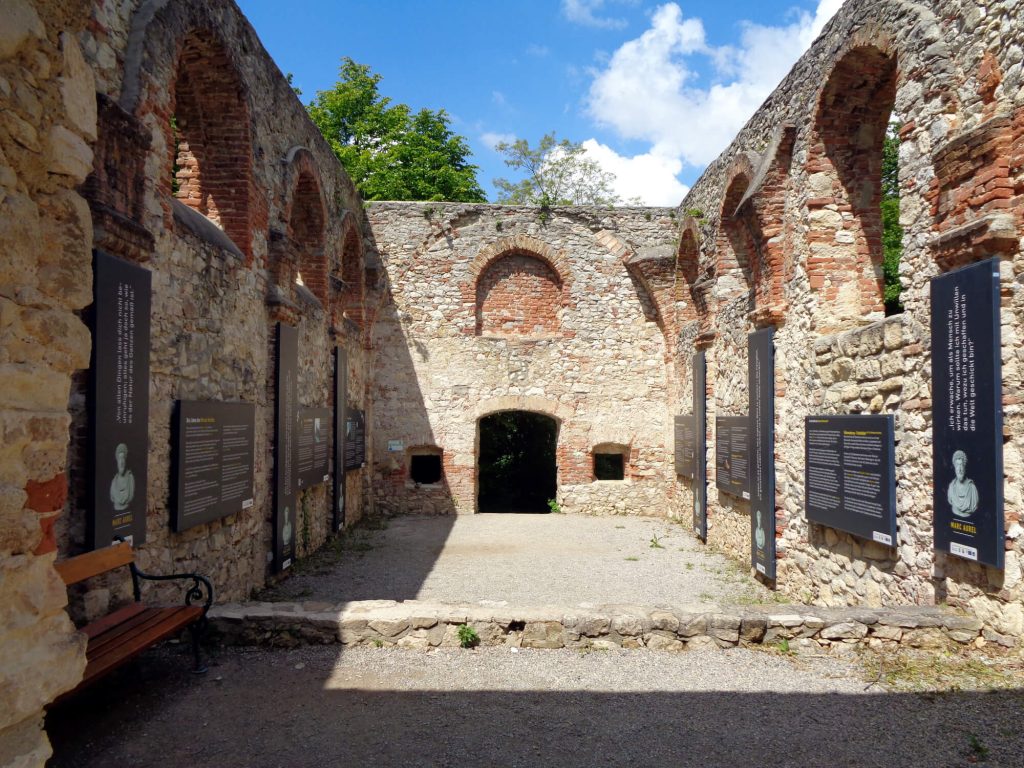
[{"x": 122, "y": 635}]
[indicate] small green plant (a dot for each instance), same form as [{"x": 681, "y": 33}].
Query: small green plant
[
  {"x": 656, "y": 542},
  {"x": 647, "y": 215},
  {"x": 378, "y": 643},
  {"x": 620, "y": 526},
  {"x": 498, "y": 226},
  {"x": 632, "y": 559},
  {"x": 784, "y": 646},
  {"x": 468, "y": 637},
  {"x": 979, "y": 752},
  {"x": 554, "y": 506},
  {"x": 689, "y": 566},
  {"x": 695, "y": 213},
  {"x": 428, "y": 212}
]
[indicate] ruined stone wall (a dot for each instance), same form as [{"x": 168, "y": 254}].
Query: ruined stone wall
[
  {"x": 789, "y": 235},
  {"x": 494, "y": 308},
  {"x": 47, "y": 119},
  {"x": 244, "y": 221}
]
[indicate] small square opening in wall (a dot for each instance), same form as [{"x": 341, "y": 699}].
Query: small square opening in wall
[
  {"x": 609, "y": 466},
  {"x": 425, "y": 469}
]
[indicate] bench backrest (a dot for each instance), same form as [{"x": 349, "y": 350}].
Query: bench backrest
[{"x": 82, "y": 567}]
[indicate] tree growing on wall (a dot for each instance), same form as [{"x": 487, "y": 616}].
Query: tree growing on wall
[
  {"x": 389, "y": 151},
  {"x": 557, "y": 173},
  {"x": 892, "y": 232}
]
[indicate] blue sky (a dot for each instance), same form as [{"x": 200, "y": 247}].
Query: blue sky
[{"x": 654, "y": 90}]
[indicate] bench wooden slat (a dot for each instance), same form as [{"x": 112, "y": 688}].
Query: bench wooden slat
[
  {"x": 82, "y": 567},
  {"x": 131, "y": 626},
  {"x": 165, "y": 622},
  {"x": 110, "y": 621}
]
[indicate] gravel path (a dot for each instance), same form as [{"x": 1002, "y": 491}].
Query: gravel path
[
  {"x": 525, "y": 560},
  {"x": 495, "y": 707}
]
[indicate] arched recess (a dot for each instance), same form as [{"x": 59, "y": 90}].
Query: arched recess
[
  {"x": 844, "y": 179},
  {"x": 690, "y": 291},
  {"x": 210, "y": 159},
  {"x": 306, "y": 225},
  {"x": 518, "y": 293},
  {"x": 353, "y": 286},
  {"x": 736, "y": 245},
  {"x": 762, "y": 212}
]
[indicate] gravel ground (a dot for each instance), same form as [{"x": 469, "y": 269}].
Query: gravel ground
[
  {"x": 319, "y": 706},
  {"x": 524, "y": 560}
]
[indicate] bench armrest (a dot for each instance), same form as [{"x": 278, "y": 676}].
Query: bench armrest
[{"x": 199, "y": 590}]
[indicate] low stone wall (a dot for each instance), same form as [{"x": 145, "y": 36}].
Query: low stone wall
[{"x": 415, "y": 624}]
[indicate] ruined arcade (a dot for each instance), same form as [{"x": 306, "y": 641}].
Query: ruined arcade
[{"x": 162, "y": 134}]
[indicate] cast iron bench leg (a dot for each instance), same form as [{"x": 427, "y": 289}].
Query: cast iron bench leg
[{"x": 196, "y": 630}]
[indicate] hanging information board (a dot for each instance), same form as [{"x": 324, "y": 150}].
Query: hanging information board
[
  {"x": 119, "y": 402},
  {"x": 700, "y": 480},
  {"x": 340, "y": 398},
  {"x": 355, "y": 439},
  {"x": 214, "y": 459},
  {"x": 849, "y": 474},
  {"x": 967, "y": 419},
  {"x": 313, "y": 447},
  {"x": 732, "y": 455},
  {"x": 286, "y": 418},
  {"x": 761, "y": 379},
  {"x": 686, "y": 445}
]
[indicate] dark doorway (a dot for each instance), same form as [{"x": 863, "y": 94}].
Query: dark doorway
[{"x": 517, "y": 470}]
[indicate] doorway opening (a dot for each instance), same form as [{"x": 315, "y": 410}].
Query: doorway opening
[{"x": 517, "y": 470}]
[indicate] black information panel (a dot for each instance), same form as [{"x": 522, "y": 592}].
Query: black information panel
[
  {"x": 285, "y": 451},
  {"x": 967, "y": 419},
  {"x": 700, "y": 480},
  {"x": 119, "y": 402},
  {"x": 355, "y": 439},
  {"x": 849, "y": 475},
  {"x": 732, "y": 455},
  {"x": 761, "y": 378},
  {"x": 215, "y": 449},
  {"x": 686, "y": 445},
  {"x": 313, "y": 447},
  {"x": 340, "y": 398}
]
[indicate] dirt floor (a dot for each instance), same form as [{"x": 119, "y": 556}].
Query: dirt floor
[
  {"x": 323, "y": 706},
  {"x": 524, "y": 559},
  {"x": 502, "y": 706}
]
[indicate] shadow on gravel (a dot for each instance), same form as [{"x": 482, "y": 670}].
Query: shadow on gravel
[{"x": 155, "y": 714}]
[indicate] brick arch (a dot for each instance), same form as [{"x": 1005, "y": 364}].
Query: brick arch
[
  {"x": 306, "y": 226},
  {"x": 763, "y": 213},
  {"x": 844, "y": 171},
  {"x": 189, "y": 51},
  {"x": 691, "y": 299},
  {"x": 353, "y": 271},
  {"x": 736, "y": 245},
  {"x": 558, "y": 261},
  {"x": 518, "y": 294},
  {"x": 210, "y": 155},
  {"x": 532, "y": 403}
]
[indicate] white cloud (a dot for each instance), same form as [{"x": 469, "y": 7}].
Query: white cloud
[
  {"x": 492, "y": 140},
  {"x": 583, "y": 12},
  {"x": 538, "y": 51},
  {"x": 649, "y": 89},
  {"x": 498, "y": 98},
  {"x": 649, "y": 177}
]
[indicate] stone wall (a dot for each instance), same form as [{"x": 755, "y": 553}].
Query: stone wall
[
  {"x": 47, "y": 119},
  {"x": 112, "y": 136},
  {"x": 492, "y": 308},
  {"x": 783, "y": 230}
]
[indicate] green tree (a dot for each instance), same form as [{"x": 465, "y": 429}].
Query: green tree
[
  {"x": 557, "y": 173},
  {"x": 892, "y": 232},
  {"x": 390, "y": 152}
]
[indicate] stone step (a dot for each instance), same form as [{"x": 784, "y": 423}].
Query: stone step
[{"x": 422, "y": 624}]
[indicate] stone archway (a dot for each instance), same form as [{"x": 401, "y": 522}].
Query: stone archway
[{"x": 516, "y": 462}]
